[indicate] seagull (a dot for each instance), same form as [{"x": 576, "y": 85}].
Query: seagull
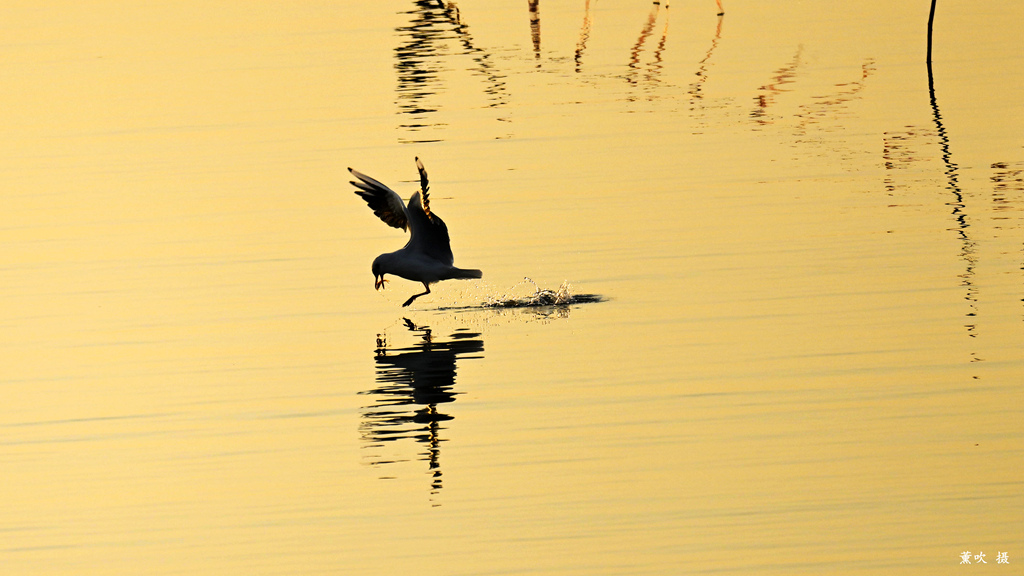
[{"x": 427, "y": 257}]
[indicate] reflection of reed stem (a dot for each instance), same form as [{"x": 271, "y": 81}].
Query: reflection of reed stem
[
  {"x": 928, "y": 58},
  {"x": 702, "y": 66},
  {"x": 581, "y": 45},
  {"x": 951, "y": 167},
  {"x": 967, "y": 246},
  {"x": 645, "y": 33}
]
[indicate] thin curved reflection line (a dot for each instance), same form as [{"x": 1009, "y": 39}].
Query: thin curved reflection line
[
  {"x": 829, "y": 106},
  {"x": 768, "y": 93},
  {"x": 637, "y": 49},
  {"x": 581, "y": 44},
  {"x": 413, "y": 383},
  {"x": 968, "y": 247},
  {"x": 697, "y": 87},
  {"x": 654, "y": 72},
  {"x": 495, "y": 88}
]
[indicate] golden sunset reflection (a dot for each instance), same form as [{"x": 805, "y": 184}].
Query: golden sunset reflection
[{"x": 752, "y": 296}]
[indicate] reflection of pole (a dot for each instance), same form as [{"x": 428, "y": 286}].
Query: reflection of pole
[
  {"x": 951, "y": 167},
  {"x": 928, "y": 59},
  {"x": 967, "y": 246}
]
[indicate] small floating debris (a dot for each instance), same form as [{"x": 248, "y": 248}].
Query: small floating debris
[{"x": 528, "y": 294}]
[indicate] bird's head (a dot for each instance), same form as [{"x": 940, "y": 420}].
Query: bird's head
[{"x": 378, "y": 274}]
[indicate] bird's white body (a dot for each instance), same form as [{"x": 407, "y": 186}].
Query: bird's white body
[
  {"x": 404, "y": 264},
  {"x": 427, "y": 257}
]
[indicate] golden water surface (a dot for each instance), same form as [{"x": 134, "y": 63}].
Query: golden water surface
[{"x": 806, "y": 356}]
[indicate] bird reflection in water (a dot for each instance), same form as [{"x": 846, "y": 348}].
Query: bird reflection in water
[
  {"x": 413, "y": 384},
  {"x": 429, "y": 47}
]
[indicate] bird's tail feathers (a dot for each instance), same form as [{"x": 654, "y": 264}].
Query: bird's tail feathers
[{"x": 465, "y": 274}]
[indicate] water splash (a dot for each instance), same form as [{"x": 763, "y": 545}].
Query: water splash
[{"x": 527, "y": 294}]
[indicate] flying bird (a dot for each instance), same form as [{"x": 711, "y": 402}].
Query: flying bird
[{"x": 427, "y": 257}]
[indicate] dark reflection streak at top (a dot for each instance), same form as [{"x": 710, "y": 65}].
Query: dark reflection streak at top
[
  {"x": 415, "y": 69},
  {"x": 482, "y": 58},
  {"x": 951, "y": 167},
  {"x": 968, "y": 251},
  {"x": 421, "y": 60},
  {"x": 423, "y": 376}
]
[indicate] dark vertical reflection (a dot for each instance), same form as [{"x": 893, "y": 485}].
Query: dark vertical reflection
[
  {"x": 535, "y": 28},
  {"x": 928, "y": 56},
  {"x": 427, "y": 49},
  {"x": 968, "y": 251},
  {"x": 419, "y": 64},
  {"x": 412, "y": 386}
]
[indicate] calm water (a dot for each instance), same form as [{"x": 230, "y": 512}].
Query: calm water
[{"x": 806, "y": 355}]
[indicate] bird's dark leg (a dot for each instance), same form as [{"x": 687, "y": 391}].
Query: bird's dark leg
[{"x": 415, "y": 296}]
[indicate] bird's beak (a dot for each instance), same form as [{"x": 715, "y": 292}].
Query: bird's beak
[{"x": 379, "y": 282}]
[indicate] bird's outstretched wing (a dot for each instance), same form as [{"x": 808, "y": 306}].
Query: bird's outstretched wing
[
  {"x": 384, "y": 201},
  {"x": 428, "y": 233},
  {"x": 424, "y": 186}
]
